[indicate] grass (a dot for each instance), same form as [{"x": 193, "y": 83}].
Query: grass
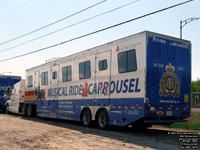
[
  {"x": 192, "y": 124},
  {"x": 188, "y": 126}
]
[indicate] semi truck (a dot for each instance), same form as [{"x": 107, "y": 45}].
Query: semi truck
[
  {"x": 141, "y": 79},
  {"x": 16, "y": 100},
  {"x": 6, "y": 84}
]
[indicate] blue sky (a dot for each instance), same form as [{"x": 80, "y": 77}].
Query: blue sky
[{"x": 18, "y": 17}]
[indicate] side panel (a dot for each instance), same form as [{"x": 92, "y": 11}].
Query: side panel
[
  {"x": 103, "y": 77},
  {"x": 128, "y": 97},
  {"x": 43, "y": 109},
  {"x": 121, "y": 93},
  {"x": 54, "y": 83}
]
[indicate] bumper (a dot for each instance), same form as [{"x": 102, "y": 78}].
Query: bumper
[{"x": 163, "y": 121}]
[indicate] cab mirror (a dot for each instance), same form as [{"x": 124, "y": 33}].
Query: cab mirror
[{"x": 8, "y": 91}]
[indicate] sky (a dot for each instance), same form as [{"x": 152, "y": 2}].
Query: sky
[{"x": 18, "y": 17}]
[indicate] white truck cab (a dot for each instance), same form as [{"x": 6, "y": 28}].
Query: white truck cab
[{"x": 14, "y": 104}]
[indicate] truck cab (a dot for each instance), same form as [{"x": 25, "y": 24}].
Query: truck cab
[
  {"x": 6, "y": 85},
  {"x": 15, "y": 102}
]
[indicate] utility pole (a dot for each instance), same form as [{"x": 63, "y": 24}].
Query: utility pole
[{"x": 184, "y": 22}]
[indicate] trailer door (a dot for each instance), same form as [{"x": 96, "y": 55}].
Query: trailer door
[
  {"x": 37, "y": 79},
  {"x": 54, "y": 84},
  {"x": 102, "y": 78},
  {"x": 168, "y": 76},
  {"x": 54, "y": 74}
]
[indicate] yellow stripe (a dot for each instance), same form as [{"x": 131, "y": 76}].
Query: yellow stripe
[{"x": 30, "y": 98}]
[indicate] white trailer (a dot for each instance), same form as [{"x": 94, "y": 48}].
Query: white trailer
[{"x": 141, "y": 78}]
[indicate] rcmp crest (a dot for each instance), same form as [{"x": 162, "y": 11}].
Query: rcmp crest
[{"x": 169, "y": 83}]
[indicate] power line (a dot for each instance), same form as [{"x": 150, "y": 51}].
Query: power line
[
  {"x": 54, "y": 22},
  {"x": 16, "y": 10},
  {"x": 97, "y": 31},
  {"x": 23, "y": 43}
]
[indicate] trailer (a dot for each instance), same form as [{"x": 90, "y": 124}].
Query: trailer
[
  {"x": 6, "y": 85},
  {"x": 141, "y": 79}
]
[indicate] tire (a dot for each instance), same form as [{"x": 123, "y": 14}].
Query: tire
[
  {"x": 7, "y": 109},
  {"x": 24, "y": 112},
  {"x": 87, "y": 118},
  {"x": 30, "y": 111},
  {"x": 103, "y": 119}
]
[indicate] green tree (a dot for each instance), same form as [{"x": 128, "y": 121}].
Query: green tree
[{"x": 195, "y": 86}]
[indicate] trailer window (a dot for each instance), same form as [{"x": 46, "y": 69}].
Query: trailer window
[
  {"x": 30, "y": 81},
  {"x": 103, "y": 65},
  {"x": 44, "y": 78},
  {"x": 13, "y": 91},
  {"x": 127, "y": 61},
  {"x": 84, "y": 70},
  {"x": 67, "y": 73},
  {"x": 54, "y": 75}
]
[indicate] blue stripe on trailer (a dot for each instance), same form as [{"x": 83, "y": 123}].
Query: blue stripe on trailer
[{"x": 122, "y": 111}]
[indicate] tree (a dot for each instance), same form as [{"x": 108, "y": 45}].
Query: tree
[{"x": 195, "y": 86}]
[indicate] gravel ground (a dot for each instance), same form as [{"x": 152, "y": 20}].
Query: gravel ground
[{"x": 18, "y": 133}]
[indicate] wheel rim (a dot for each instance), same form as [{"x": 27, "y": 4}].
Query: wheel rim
[
  {"x": 86, "y": 119},
  {"x": 102, "y": 121}
]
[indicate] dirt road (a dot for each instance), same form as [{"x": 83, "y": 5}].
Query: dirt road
[{"x": 17, "y": 133}]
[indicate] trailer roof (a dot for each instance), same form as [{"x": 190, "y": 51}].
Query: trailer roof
[
  {"x": 143, "y": 32},
  {"x": 10, "y": 76}
]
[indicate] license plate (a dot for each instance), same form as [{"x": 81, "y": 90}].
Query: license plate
[{"x": 169, "y": 113}]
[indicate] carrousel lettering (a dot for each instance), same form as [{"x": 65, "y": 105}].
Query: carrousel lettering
[{"x": 118, "y": 86}]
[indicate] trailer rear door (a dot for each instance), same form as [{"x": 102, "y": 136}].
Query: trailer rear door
[{"x": 168, "y": 76}]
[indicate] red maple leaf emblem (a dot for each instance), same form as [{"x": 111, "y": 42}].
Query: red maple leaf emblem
[{"x": 85, "y": 90}]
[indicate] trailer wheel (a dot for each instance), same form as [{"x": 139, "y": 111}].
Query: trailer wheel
[
  {"x": 102, "y": 119},
  {"x": 24, "y": 112},
  {"x": 87, "y": 118},
  {"x": 30, "y": 111}
]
